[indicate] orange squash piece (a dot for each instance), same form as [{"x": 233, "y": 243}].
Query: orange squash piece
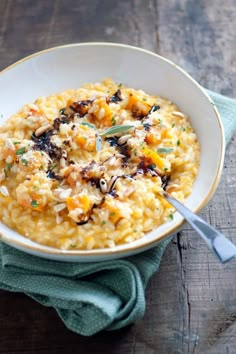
[
  {"x": 81, "y": 201},
  {"x": 153, "y": 156}
]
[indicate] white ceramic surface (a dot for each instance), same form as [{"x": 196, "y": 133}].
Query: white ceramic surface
[{"x": 65, "y": 67}]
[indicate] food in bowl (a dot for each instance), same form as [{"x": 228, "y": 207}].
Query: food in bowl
[{"x": 84, "y": 169}]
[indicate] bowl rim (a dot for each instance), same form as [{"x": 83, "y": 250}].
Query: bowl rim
[{"x": 45, "y": 250}]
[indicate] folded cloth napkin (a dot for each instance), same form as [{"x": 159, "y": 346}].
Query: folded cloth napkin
[{"x": 94, "y": 296}]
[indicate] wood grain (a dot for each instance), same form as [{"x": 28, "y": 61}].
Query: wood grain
[{"x": 191, "y": 301}]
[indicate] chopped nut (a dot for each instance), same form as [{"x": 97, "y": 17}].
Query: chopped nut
[
  {"x": 123, "y": 139},
  {"x": 42, "y": 130},
  {"x": 178, "y": 114},
  {"x": 65, "y": 193},
  {"x": 4, "y": 191},
  {"x": 103, "y": 185},
  {"x": 120, "y": 155},
  {"x": 59, "y": 207},
  {"x": 10, "y": 145}
]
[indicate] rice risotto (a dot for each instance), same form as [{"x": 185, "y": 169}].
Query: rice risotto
[{"x": 83, "y": 169}]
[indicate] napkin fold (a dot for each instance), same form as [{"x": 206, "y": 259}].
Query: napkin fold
[{"x": 90, "y": 297}]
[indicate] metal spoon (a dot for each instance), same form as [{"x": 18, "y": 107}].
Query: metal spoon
[{"x": 223, "y": 248}]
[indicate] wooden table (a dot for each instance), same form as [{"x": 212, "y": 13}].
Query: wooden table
[{"x": 191, "y": 301}]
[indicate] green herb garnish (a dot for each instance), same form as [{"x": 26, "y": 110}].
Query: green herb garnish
[
  {"x": 20, "y": 151},
  {"x": 144, "y": 99},
  {"x": 16, "y": 142},
  {"x": 88, "y": 125},
  {"x": 34, "y": 203},
  {"x": 116, "y": 129},
  {"x": 164, "y": 150},
  {"x": 103, "y": 223},
  {"x": 173, "y": 125},
  {"x": 171, "y": 216},
  {"x": 120, "y": 85},
  {"x": 113, "y": 120},
  {"x": 165, "y": 169},
  {"x": 9, "y": 166},
  {"x": 24, "y": 162},
  {"x": 178, "y": 142}
]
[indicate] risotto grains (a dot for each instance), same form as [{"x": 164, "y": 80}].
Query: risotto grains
[{"x": 83, "y": 169}]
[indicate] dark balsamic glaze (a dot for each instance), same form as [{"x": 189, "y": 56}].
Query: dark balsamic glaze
[
  {"x": 43, "y": 143},
  {"x": 87, "y": 217},
  {"x": 154, "y": 108},
  {"x": 136, "y": 113},
  {"x": 147, "y": 126},
  {"x": 117, "y": 97},
  {"x": 123, "y": 148},
  {"x": 81, "y": 107},
  {"x": 51, "y": 174},
  {"x": 165, "y": 180}
]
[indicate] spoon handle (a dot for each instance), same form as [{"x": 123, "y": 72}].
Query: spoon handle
[{"x": 223, "y": 248}]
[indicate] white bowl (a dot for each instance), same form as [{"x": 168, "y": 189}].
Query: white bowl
[{"x": 69, "y": 66}]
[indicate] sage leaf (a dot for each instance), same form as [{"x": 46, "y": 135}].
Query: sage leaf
[
  {"x": 116, "y": 129},
  {"x": 164, "y": 150},
  {"x": 88, "y": 125},
  {"x": 98, "y": 143}
]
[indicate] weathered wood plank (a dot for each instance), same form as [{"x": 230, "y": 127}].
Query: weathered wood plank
[
  {"x": 196, "y": 39},
  {"x": 191, "y": 301}
]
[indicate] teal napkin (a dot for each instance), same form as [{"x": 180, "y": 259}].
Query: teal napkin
[{"x": 95, "y": 296}]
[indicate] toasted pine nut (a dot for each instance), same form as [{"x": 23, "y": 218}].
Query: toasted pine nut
[
  {"x": 59, "y": 207},
  {"x": 178, "y": 114},
  {"x": 123, "y": 139},
  {"x": 4, "y": 191},
  {"x": 10, "y": 145},
  {"x": 65, "y": 193},
  {"x": 103, "y": 185},
  {"x": 42, "y": 130}
]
